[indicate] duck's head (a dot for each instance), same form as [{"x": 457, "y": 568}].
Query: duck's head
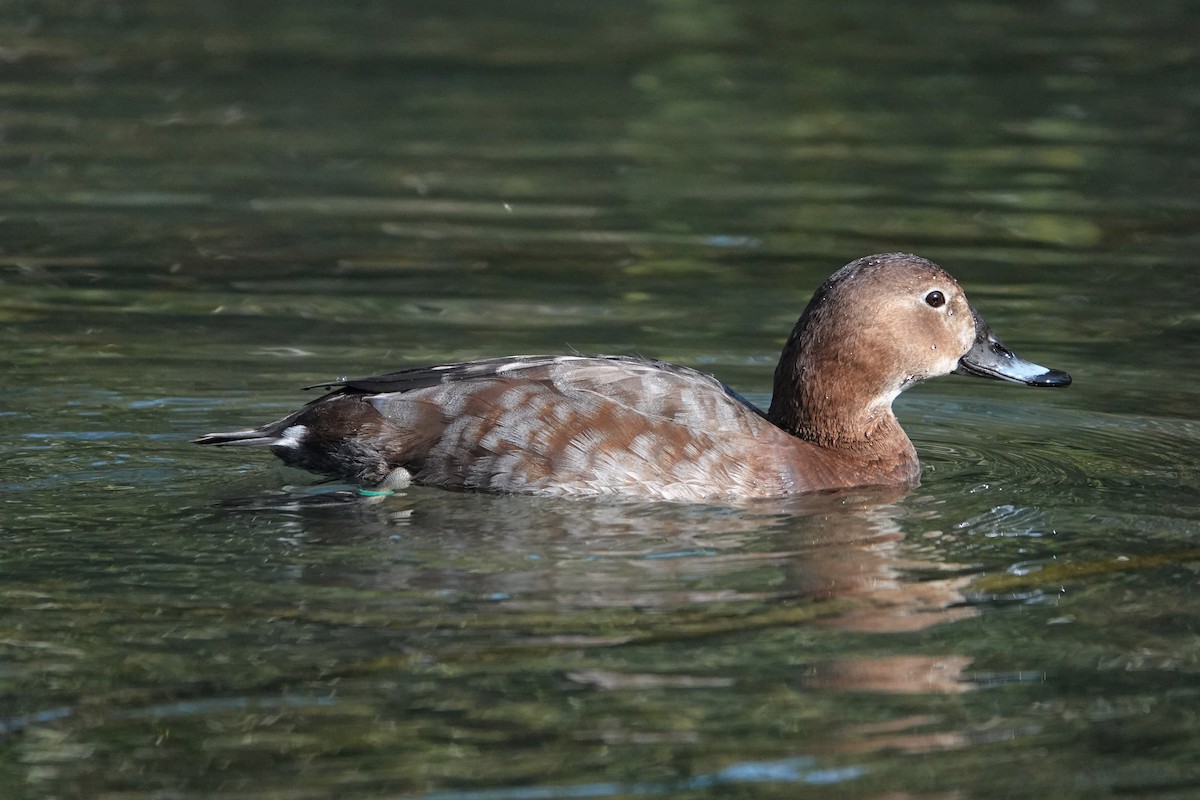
[{"x": 877, "y": 326}]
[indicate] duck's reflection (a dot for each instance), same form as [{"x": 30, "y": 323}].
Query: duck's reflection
[{"x": 569, "y": 573}]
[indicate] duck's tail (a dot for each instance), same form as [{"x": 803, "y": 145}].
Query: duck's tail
[
  {"x": 281, "y": 432},
  {"x": 250, "y": 436}
]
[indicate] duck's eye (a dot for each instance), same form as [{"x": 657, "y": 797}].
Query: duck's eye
[{"x": 935, "y": 299}]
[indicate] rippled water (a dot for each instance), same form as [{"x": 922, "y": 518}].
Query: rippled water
[{"x": 208, "y": 205}]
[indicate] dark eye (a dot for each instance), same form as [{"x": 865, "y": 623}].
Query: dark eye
[{"x": 935, "y": 299}]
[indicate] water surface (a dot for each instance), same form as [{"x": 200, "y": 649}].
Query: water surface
[{"x": 209, "y": 205}]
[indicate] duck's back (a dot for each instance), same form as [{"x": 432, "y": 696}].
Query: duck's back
[{"x": 544, "y": 425}]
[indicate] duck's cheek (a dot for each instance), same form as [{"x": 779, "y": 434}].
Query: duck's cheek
[
  {"x": 966, "y": 340},
  {"x": 962, "y": 327},
  {"x": 942, "y": 360}
]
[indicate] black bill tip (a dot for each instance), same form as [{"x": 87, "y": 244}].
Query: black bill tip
[{"x": 1051, "y": 377}]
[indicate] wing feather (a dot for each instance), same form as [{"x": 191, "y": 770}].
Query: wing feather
[{"x": 645, "y": 386}]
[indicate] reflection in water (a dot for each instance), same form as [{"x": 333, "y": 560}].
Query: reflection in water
[
  {"x": 486, "y": 620},
  {"x": 543, "y": 568},
  {"x": 892, "y": 674}
]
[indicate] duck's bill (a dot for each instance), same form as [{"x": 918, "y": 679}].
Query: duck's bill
[{"x": 989, "y": 358}]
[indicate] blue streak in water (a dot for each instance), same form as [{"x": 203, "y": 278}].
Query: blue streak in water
[
  {"x": 85, "y": 436},
  {"x": 724, "y": 240},
  {"x": 788, "y": 770},
  {"x": 699, "y": 551},
  {"x": 18, "y": 724}
]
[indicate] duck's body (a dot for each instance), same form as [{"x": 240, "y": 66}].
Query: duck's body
[
  {"x": 600, "y": 425},
  {"x": 561, "y": 425}
]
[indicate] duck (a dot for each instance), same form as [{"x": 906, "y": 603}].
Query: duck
[{"x": 634, "y": 427}]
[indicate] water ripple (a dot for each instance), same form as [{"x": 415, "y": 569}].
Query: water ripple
[{"x": 1060, "y": 450}]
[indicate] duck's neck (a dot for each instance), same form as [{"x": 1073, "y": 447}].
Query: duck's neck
[{"x": 832, "y": 399}]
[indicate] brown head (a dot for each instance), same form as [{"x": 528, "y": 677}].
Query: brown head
[{"x": 876, "y": 327}]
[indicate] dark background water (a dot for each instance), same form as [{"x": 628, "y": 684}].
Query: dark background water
[{"x": 207, "y": 205}]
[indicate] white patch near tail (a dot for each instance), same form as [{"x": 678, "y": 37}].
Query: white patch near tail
[{"x": 292, "y": 436}]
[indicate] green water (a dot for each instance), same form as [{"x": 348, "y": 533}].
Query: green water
[{"x": 208, "y": 205}]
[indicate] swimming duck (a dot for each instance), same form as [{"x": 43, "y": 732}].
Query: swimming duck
[{"x": 620, "y": 425}]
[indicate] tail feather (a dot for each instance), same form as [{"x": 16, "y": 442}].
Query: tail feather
[{"x": 250, "y": 436}]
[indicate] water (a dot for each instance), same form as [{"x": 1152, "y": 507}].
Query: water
[{"x": 208, "y": 205}]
